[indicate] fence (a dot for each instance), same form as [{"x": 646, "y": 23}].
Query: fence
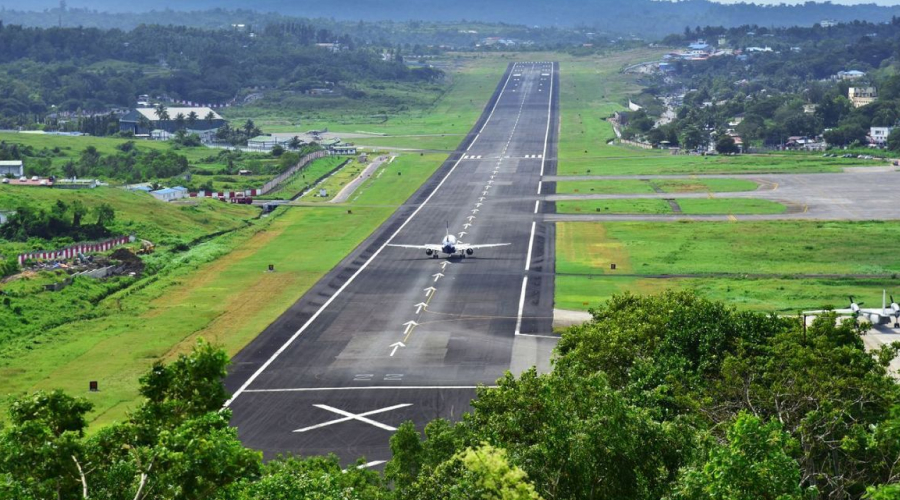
[{"x": 74, "y": 250}]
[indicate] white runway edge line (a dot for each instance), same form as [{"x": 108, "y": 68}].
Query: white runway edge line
[
  {"x": 365, "y": 265},
  {"x": 530, "y": 246},
  {"x": 518, "y": 331}
]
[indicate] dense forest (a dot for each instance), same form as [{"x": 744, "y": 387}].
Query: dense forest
[
  {"x": 48, "y": 72},
  {"x": 646, "y": 18},
  {"x": 667, "y": 397},
  {"x": 791, "y": 90}
]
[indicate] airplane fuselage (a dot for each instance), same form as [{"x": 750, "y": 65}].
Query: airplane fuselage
[{"x": 448, "y": 246}]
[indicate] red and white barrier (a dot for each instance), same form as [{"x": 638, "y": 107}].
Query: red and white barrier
[{"x": 74, "y": 250}]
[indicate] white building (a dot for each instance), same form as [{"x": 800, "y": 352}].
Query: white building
[
  {"x": 170, "y": 194},
  {"x": 862, "y": 96},
  {"x": 879, "y": 135},
  {"x": 12, "y": 168}
]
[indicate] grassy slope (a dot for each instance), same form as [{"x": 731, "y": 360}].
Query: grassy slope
[
  {"x": 450, "y": 115},
  {"x": 136, "y": 212}
]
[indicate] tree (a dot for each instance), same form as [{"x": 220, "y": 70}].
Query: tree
[
  {"x": 277, "y": 150},
  {"x": 180, "y": 121},
  {"x": 893, "y": 140},
  {"x": 78, "y": 212},
  {"x": 693, "y": 138},
  {"x": 249, "y": 128},
  {"x": 726, "y": 145},
  {"x": 210, "y": 118},
  {"x": 755, "y": 463},
  {"x": 40, "y": 449},
  {"x": 162, "y": 113},
  {"x": 482, "y": 473},
  {"x": 144, "y": 123},
  {"x": 192, "y": 118},
  {"x": 295, "y": 143},
  {"x": 106, "y": 214}
]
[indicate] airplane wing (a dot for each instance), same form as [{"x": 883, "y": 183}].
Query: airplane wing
[
  {"x": 434, "y": 248},
  {"x": 839, "y": 312},
  {"x": 466, "y": 246}
]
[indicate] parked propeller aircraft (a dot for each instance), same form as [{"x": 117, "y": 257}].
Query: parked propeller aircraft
[{"x": 888, "y": 314}]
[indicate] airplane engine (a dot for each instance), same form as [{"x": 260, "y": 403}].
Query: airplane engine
[
  {"x": 469, "y": 251},
  {"x": 428, "y": 251}
]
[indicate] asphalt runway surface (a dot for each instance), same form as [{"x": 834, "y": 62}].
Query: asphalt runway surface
[
  {"x": 392, "y": 335},
  {"x": 860, "y": 194}
]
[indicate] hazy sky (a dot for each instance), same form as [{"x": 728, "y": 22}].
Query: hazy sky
[{"x": 844, "y": 2}]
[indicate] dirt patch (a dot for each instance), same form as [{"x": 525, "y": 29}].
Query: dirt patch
[
  {"x": 588, "y": 244},
  {"x": 129, "y": 262}
]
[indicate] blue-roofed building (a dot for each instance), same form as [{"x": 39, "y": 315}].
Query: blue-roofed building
[{"x": 170, "y": 194}]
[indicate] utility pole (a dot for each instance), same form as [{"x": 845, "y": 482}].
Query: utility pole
[{"x": 62, "y": 8}]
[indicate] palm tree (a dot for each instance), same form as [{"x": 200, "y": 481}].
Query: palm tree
[
  {"x": 162, "y": 113},
  {"x": 143, "y": 123},
  {"x": 179, "y": 121},
  {"x": 192, "y": 118},
  {"x": 210, "y": 118},
  {"x": 249, "y": 127}
]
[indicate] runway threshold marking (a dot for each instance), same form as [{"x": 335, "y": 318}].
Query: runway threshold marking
[
  {"x": 366, "y": 264},
  {"x": 361, "y": 417}
]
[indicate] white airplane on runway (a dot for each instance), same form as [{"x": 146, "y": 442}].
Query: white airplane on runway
[
  {"x": 887, "y": 314},
  {"x": 450, "y": 246}
]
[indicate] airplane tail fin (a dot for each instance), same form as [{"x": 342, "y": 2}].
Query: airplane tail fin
[{"x": 448, "y": 228}]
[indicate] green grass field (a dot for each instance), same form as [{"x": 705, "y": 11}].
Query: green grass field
[
  {"x": 689, "y": 206},
  {"x": 451, "y": 108},
  {"x": 629, "y": 186},
  {"x": 764, "y": 265}
]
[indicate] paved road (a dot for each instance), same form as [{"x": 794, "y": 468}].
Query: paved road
[
  {"x": 330, "y": 376},
  {"x": 864, "y": 194}
]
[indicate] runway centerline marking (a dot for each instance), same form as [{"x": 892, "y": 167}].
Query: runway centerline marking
[
  {"x": 366, "y": 264},
  {"x": 361, "y": 417}
]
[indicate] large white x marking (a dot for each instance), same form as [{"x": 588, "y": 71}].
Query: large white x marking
[{"x": 353, "y": 416}]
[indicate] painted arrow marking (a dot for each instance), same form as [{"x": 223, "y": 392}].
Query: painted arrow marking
[
  {"x": 470, "y": 218},
  {"x": 475, "y": 210},
  {"x": 444, "y": 265},
  {"x": 396, "y": 345},
  {"x": 429, "y": 291},
  {"x": 467, "y": 225},
  {"x": 478, "y": 205},
  {"x": 485, "y": 192},
  {"x": 409, "y": 326},
  {"x": 481, "y": 198},
  {"x": 420, "y": 306},
  {"x": 462, "y": 233},
  {"x": 490, "y": 182},
  {"x": 437, "y": 276}
]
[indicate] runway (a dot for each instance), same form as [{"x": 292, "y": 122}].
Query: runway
[{"x": 392, "y": 335}]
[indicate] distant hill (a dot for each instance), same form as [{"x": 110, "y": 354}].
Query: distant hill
[{"x": 639, "y": 17}]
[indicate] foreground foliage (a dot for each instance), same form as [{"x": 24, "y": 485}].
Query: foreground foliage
[{"x": 667, "y": 397}]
